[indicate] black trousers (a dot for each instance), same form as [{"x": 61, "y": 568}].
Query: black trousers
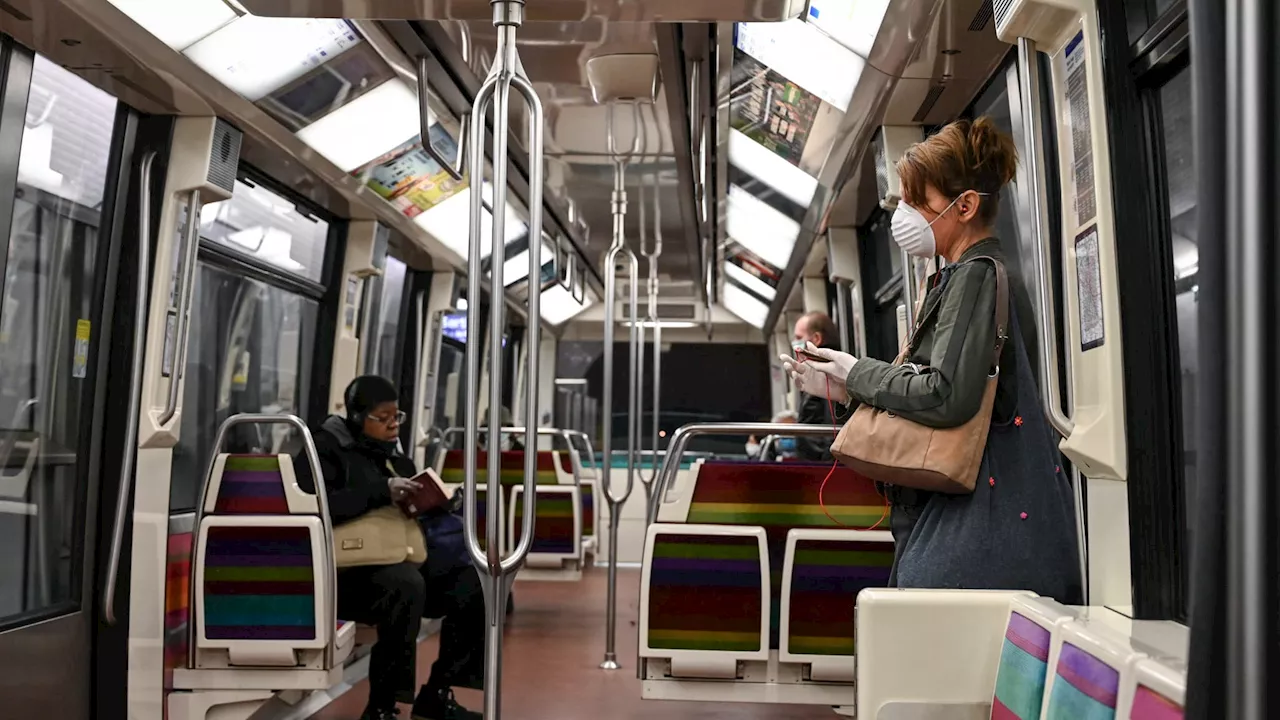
[{"x": 395, "y": 598}]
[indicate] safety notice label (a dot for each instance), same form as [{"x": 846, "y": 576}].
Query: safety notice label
[
  {"x": 1089, "y": 289},
  {"x": 1086, "y": 202}
]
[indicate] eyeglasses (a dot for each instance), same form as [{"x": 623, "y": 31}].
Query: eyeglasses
[{"x": 396, "y": 419}]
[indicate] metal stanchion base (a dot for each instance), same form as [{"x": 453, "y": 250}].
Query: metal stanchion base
[{"x": 610, "y": 665}]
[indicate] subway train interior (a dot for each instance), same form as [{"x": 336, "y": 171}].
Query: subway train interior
[{"x": 215, "y": 214}]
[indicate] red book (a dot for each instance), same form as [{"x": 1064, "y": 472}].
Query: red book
[{"x": 431, "y": 495}]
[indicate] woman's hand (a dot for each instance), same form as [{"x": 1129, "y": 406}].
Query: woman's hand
[
  {"x": 401, "y": 488},
  {"x": 812, "y": 381},
  {"x": 834, "y": 363}
]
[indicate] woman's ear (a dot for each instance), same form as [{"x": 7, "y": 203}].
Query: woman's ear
[{"x": 968, "y": 205}]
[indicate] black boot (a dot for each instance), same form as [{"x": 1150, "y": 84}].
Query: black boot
[
  {"x": 441, "y": 705},
  {"x": 372, "y": 713}
]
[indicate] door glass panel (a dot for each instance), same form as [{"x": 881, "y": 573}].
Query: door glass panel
[
  {"x": 249, "y": 352},
  {"x": 48, "y": 308},
  {"x": 1180, "y": 181},
  {"x": 384, "y": 362}
]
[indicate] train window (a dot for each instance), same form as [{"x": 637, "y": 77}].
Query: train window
[
  {"x": 250, "y": 352},
  {"x": 258, "y": 223},
  {"x": 387, "y": 332},
  {"x": 1180, "y": 182},
  {"x": 50, "y": 299}
]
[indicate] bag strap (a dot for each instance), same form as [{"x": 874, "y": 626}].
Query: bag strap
[
  {"x": 1002, "y": 308},
  {"x": 1001, "y": 318}
]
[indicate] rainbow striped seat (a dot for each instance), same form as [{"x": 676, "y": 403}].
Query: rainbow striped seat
[
  {"x": 782, "y": 497},
  {"x": 823, "y": 572},
  {"x": 1158, "y": 690},
  {"x": 1024, "y": 657},
  {"x": 704, "y": 598},
  {"x": 261, "y": 564},
  {"x": 557, "y": 528},
  {"x": 557, "y": 512}
]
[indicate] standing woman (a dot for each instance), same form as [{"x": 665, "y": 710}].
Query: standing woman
[{"x": 1016, "y": 529}]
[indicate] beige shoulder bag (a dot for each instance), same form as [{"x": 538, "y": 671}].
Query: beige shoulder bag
[
  {"x": 890, "y": 449},
  {"x": 383, "y": 536}
]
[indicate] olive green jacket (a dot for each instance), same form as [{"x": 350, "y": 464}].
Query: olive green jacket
[{"x": 942, "y": 383}]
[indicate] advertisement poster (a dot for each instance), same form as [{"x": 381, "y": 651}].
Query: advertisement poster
[
  {"x": 409, "y": 179},
  {"x": 770, "y": 109}
]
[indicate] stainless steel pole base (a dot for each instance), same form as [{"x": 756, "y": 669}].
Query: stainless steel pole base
[{"x": 610, "y": 662}]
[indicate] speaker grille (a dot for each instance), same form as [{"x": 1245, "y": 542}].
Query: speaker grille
[
  {"x": 1001, "y": 8},
  {"x": 224, "y": 160}
]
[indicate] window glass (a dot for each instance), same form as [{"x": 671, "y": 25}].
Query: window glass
[
  {"x": 49, "y": 303},
  {"x": 388, "y": 333},
  {"x": 249, "y": 352},
  {"x": 1180, "y": 181},
  {"x": 260, "y": 224}
]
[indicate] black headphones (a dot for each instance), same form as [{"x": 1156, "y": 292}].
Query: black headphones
[{"x": 348, "y": 398}]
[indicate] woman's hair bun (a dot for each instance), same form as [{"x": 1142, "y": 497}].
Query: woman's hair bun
[{"x": 994, "y": 156}]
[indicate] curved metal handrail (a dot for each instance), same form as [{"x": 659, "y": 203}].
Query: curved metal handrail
[
  {"x": 454, "y": 167},
  {"x": 680, "y": 442},
  {"x": 322, "y": 501},
  {"x": 766, "y": 445},
  {"x": 565, "y": 435},
  {"x": 186, "y": 293},
  {"x": 134, "y": 410}
]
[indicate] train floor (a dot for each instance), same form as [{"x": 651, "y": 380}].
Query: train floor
[{"x": 553, "y": 645}]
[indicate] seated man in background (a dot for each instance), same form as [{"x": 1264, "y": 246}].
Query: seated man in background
[{"x": 364, "y": 470}]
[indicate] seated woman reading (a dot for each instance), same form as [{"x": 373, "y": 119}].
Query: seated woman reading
[{"x": 363, "y": 470}]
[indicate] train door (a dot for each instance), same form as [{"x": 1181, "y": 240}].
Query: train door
[{"x": 61, "y": 147}]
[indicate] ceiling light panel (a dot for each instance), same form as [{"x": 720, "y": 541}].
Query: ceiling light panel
[
  {"x": 257, "y": 55},
  {"x": 744, "y": 305},
  {"x": 760, "y": 228},
  {"x": 749, "y": 281},
  {"x": 376, "y": 123},
  {"x": 177, "y": 23},
  {"x": 804, "y": 55},
  {"x": 771, "y": 169},
  {"x": 557, "y": 305}
]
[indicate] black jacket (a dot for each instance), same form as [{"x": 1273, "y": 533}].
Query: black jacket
[
  {"x": 355, "y": 472},
  {"x": 814, "y": 411}
]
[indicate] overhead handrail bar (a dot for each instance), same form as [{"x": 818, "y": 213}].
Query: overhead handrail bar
[
  {"x": 497, "y": 572},
  {"x": 186, "y": 292},
  {"x": 454, "y": 167},
  {"x": 680, "y": 442},
  {"x": 619, "y": 248},
  {"x": 134, "y": 410},
  {"x": 322, "y": 501},
  {"x": 1029, "y": 78}
]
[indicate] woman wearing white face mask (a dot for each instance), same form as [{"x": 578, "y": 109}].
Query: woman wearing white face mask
[{"x": 1016, "y": 529}]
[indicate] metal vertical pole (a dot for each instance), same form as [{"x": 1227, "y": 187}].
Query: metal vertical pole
[
  {"x": 619, "y": 247},
  {"x": 652, "y": 254},
  {"x": 497, "y": 572}
]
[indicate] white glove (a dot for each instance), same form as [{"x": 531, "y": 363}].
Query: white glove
[
  {"x": 812, "y": 381},
  {"x": 838, "y": 364}
]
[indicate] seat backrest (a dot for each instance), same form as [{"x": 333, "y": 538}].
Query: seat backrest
[
  {"x": 512, "y": 470},
  {"x": 1159, "y": 691},
  {"x": 823, "y": 572},
  {"x": 1024, "y": 657},
  {"x": 261, "y": 563},
  {"x": 779, "y": 498},
  {"x": 704, "y": 592},
  {"x": 1088, "y": 664}
]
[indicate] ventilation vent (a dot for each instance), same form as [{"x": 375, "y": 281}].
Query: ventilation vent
[
  {"x": 982, "y": 17},
  {"x": 930, "y": 100},
  {"x": 224, "y": 160},
  {"x": 1001, "y": 9}
]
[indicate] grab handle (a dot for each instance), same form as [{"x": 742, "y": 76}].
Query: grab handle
[
  {"x": 454, "y": 167},
  {"x": 134, "y": 409},
  {"x": 186, "y": 292}
]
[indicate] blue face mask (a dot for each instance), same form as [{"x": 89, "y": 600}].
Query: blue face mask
[{"x": 787, "y": 444}]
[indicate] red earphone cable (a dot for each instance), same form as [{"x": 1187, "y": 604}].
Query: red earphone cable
[{"x": 835, "y": 464}]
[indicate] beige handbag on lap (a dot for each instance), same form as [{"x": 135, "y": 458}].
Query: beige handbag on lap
[
  {"x": 379, "y": 537},
  {"x": 890, "y": 449}
]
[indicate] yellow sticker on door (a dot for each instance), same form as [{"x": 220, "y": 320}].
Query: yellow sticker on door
[{"x": 80, "y": 362}]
